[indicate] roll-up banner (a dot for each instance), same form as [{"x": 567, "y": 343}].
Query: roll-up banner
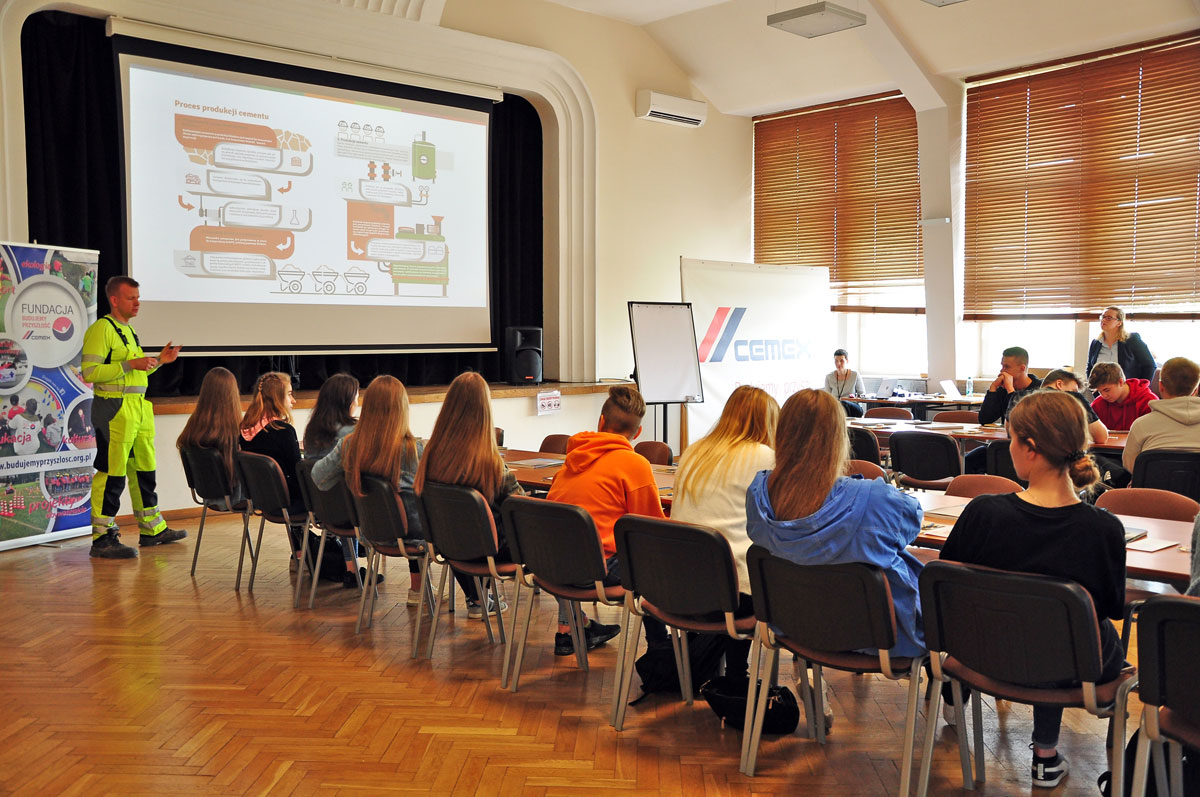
[
  {"x": 47, "y": 443},
  {"x": 767, "y": 326}
]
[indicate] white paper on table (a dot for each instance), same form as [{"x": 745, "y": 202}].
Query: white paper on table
[{"x": 1150, "y": 545}]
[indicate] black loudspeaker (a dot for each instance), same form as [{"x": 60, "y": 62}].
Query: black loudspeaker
[{"x": 523, "y": 355}]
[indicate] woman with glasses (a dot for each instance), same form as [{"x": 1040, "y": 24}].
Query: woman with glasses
[{"x": 1115, "y": 345}]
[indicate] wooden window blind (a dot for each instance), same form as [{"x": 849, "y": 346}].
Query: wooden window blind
[
  {"x": 1081, "y": 186},
  {"x": 838, "y": 186}
]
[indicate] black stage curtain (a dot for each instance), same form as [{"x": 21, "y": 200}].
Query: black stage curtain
[{"x": 73, "y": 154}]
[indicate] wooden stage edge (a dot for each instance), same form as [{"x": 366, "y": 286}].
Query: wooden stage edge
[{"x": 429, "y": 394}]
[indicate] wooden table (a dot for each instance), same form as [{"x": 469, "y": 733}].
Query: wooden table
[
  {"x": 539, "y": 478},
  {"x": 921, "y": 403}
]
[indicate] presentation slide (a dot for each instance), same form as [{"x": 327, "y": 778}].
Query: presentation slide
[{"x": 247, "y": 190}]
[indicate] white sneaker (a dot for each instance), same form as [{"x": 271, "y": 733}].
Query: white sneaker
[
  {"x": 414, "y": 597},
  {"x": 948, "y": 714}
]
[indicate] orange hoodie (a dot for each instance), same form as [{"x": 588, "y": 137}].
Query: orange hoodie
[{"x": 606, "y": 477}]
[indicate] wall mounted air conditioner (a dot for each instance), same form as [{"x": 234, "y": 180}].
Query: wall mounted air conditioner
[{"x": 672, "y": 110}]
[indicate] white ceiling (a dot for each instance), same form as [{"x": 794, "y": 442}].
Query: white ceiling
[{"x": 743, "y": 67}]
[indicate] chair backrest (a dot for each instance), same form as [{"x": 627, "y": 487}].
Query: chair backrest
[
  {"x": 890, "y": 412},
  {"x": 1154, "y": 378},
  {"x": 864, "y": 445},
  {"x": 264, "y": 482},
  {"x": 1168, "y": 629},
  {"x": 499, "y": 436},
  {"x": 1149, "y": 502},
  {"x": 1168, "y": 469},
  {"x": 999, "y": 462},
  {"x": 457, "y": 521},
  {"x": 868, "y": 470},
  {"x": 331, "y": 509},
  {"x": 205, "y": 471},
  {"x": 681, "y": 568},
  {"x": 924, "y": 455},
  {"x": 554, "y": 444},
  {"x": 957, "y": 416},
  {"x": 658, "y": 452},
  {"x": 1016, "y": 627},
  {"x": 830, "y": 608},
  {"x": 970, "y": 485},
  {"x": 382, "y": 519},
  {"x": 555, "y": 541}
]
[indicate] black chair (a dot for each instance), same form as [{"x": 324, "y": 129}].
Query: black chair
[
  {"x": 997, "y": 632},
  {"x": 999, "y": 462},
  {"x": 381, "y": 520},
  {"x": 331, "y": 513},
  {"x": 556, "y": 548},
  {"x": 925, "y": 460},
  {"x": 1168, "y": 649},
  {"x": 675, "y": 572},
  {"x": 864, "y": 445},
  {"x": 1168, "y": 469},
  {"x": 462, "y": 531},
  {"x": 822, "y": 614},
  {"x": 208, "y": 480},
  {"x": 268, "y": 497}
]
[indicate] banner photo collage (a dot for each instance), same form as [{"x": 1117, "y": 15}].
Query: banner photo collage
[{"x": 47, "y": 443}]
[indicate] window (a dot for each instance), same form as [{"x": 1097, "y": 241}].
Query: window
[
  {"x": 838, "y": 187},
  {"x": 1081, "y": 186}
]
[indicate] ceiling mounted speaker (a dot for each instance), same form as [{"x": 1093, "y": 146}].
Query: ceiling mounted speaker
[{"x": 816, "y": 20}]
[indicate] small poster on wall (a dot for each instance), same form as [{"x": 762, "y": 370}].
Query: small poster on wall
[{"x": 47, "y": 443}]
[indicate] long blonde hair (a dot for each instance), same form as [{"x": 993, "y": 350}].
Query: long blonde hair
[
  {"x": 269, "y": 401},
  {"x": 811, "y": 451},
  {"x": 462, "y": 448},
  {"x": 748, "y": 419},
  {"x": 381, "y": 442},
  {"x": 215, "y": 421},
  {"x": 1122, "y": 335}
]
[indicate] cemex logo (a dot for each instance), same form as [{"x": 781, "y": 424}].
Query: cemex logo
[{"x": 721, "y": 333}]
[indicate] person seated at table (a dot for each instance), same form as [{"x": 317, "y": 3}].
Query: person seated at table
[
  {"x": 1194, "y": 586},
  {"x": 1120, "y": 401},
  {"x": 380, "y": 444},
  {"x": 713, "y": 476},
  {"x": 1047, "y": 529},
  {"x": 1112, "y": 474},
  {"x": 604, "y": 475},
  {"x": 1115, "y": 345},
  {"x": 844, "y": 383},
  {"x": 1173, "y": 420},
  {"x": 216, "y": 423},
  {"x": 462, "y": 451},
  {"x": 806, "y": 511},
  {"x": 332, "y": 417},
  {"x": 1014, "y": 380}
]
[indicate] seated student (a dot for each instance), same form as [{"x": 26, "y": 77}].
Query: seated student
[
  {"x": 382, "y": 445},
  {"x": 51, "y": 435},
  {"x": 462, "y": 450},
  {"x": 605, "y": 476},
  {"x": 1194, "y": 587},
  {"x": 1014, "y": 380},
  {"x": 332, "y": 417},
  {"x": 1067, "y": 381},
  {"x": 216, "y": 423},
  {"x": 806, "y": 511},
  {"x": 844, "y": 383},
  {"x": 1046, "y": 529},
  {"x": 1121, "y": 401},
  {"x": 1173, "y": 420}
]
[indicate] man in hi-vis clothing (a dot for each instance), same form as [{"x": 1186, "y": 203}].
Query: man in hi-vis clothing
[{"x": 113, "y": 361}]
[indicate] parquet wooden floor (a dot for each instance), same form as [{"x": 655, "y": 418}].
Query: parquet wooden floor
[{"x": 131, "y": 677}]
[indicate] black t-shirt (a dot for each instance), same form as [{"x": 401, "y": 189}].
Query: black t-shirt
[
  {"x": 279, "y": 442},
  {"x": 1092, "y": 417},
  {"x": 996, "y": 404},
  {"x": 1077, "y": 542}
]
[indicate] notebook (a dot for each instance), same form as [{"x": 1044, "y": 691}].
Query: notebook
[
  {"x": 950, "y": 388},
  {"x": 887, "y": 386}
]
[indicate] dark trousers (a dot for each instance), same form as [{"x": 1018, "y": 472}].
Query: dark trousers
[{"x": 737, "y": 651}]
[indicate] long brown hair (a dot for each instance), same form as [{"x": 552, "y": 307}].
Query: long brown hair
[
  {"x": 269, "y": 401},
  {"x": 1054, "y": 425},
  {"x": 331, "y": 412},
  {"x": 381, "y": 443},
  {"x": 462, "y": 448},
  {"x": 215, "y": 421},
  {"x": 749, "y": 418},
  {"x": 811, "y": 450}
]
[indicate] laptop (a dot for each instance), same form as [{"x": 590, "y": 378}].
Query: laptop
[
  {"x": 950, "y": 388},
  {"x": 887, "y": 386}
]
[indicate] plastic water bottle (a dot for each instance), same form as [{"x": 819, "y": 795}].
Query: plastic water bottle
[{"x": 970, "y": 385}]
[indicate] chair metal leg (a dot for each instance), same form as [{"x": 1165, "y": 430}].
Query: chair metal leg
[
  {"x": 960, "y": 719},
  {"x": 437, "y": 610},
  {"x": 242, "y": 549},
  {"x": 499, "y": 610},
  {"x": 631, "y": 647},
  {"x": 931, "y": 720},
  {"x": 254, "y": 552},
  {"x": 1116, "y": 740},
  {"x": 515, "y": 676},
  {"x": 483, "y": 604},
  {"x": 760, "y": 709},
  {"x": 806, "y": 698},
  {"x": 910, "y": 724},
  {"x": 1141, "y": 768},
  {"x": 675, "y": 648},
  {"x": 362, "y": 598},
  {"x": 977, "y": 727},
  {"x": 199, "y": 538},
  {"x": 312, "y": 592},
  {"x": 304, "y": 558},
  {"x": 578, "y": 642},
  {"x": 624, "y": 643},
  {"x": 426, "y": 595},
  {"x": 686, "y": 684},
  {"x": 1175, "y": 764},
  {"x": 818, "y": 690},
  {"x": 1158, "y": 755},
  {"x": 504, "y": 669},
  {"x": 751, "y": 696}
]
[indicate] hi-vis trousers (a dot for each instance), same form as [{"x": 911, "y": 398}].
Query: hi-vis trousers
[{"x": 124, "y": 444}]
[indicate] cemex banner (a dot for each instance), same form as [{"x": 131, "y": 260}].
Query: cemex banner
[
  {"x": 47, "y": 443},
  {"x": 767, "y": 326}
]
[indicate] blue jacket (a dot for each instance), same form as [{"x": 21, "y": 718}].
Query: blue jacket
[{"x": 861, "y": 521}]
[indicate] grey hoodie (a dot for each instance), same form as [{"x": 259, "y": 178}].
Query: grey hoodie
[{"x": 1171, "y": 423}]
